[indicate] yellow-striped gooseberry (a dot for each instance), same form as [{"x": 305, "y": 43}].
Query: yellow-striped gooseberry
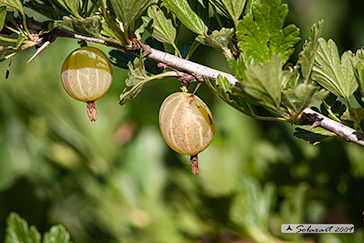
[
  {"x": 187, "y": 125},
  {"x": 87, "y": 76}
]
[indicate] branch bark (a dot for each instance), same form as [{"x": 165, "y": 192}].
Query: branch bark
[
  {"x": 313, "y": 118},
  {"x": 196, "y": 69},
  {"x": 308, "y": 116}
]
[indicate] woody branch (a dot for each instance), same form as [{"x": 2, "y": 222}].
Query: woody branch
[{"x": 308, "y": 116}]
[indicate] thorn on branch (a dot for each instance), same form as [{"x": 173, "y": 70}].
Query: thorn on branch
[
  {"x": 313, "y": 118},
  {"x": 315, "y": 124},
  {"x": 47, "y": 43}
]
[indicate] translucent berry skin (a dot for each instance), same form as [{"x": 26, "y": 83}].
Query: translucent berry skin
[
  {"x": 86, "y": 74},
  {"x": 186, "y": 123}
]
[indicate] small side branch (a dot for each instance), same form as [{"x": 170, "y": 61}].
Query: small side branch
[
  {"x": 313, "y": 118},
  {"x": 54, "y": 34}
]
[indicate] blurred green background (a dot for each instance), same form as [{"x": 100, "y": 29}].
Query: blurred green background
[{"x": 116, "y": 180}]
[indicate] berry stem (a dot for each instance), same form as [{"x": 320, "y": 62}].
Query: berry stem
[
  {"x": 91, "y": 111},
  {"x": 194, "y": 164}
]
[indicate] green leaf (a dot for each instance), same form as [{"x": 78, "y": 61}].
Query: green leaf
[
  {"x": 57, "y": 234},
  {"x": 360, "y": 53},
  {"x": 250, "y": 208},
  {"x": 248, "y": 7},
  {"x": 292, "y": 210},
  {"x": 260, "y": 35},
  {"x": 314, "y": 136},
  {"x": 292, "y": 75},
  {"x": 223, "y": 84},
  {"x": 16, "y": 4},
  {"x": 87, "y": 27},
  {"x": 359, "y": 71},
  {"x": 230, "y": 8},
  {"x": 302, "y": 97},
  {"x": 358, "y": 236},
  {"x": 223, "y": 89},
  {"x": 162, "y": 28},
  {"x": 331, "y": 99},
  {"x": 217, "y": 39},
  {"x": 187, "y": 16},
  {"x": 355, "y": 115},
  {"x": 137, "y": 77},
  {"x": 219, "y": 8},
  {"x": 137, "y": 72},
  {"x": 263, "y": 84},
  {"x": 336, "y": 76},
  {"x": 72, "y": 6},
  {"x": 127, "y": 11},
  {"x": 3, "y": 13},
  {"x": 44, "y": 9},
  {"x": 359, "y": 98},
  {"x": 10, "y": 51},
  {"x": 201, "y": 8},
  {"x": 121, "y": 58},
  {"x": 20, "y": 40},
  {"x": 234, "y": 8},
  {"x": 7, "y": 53},
  {"x": 238, "y": 66},
  {"x": 293, "y": 207},
  {"x": 332, "y": 108},
  {"x": 17, "y": 230},
  {"x": 307, "y": 56}
]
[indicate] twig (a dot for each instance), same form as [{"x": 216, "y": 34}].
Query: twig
[
  {"x": 54, "y": 34},
  {"x": 313, "y": 118}
]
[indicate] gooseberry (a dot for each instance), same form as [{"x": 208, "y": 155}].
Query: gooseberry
[
  {"x": 187, "y": 125},
  {"x": 87, "y": 76}
]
